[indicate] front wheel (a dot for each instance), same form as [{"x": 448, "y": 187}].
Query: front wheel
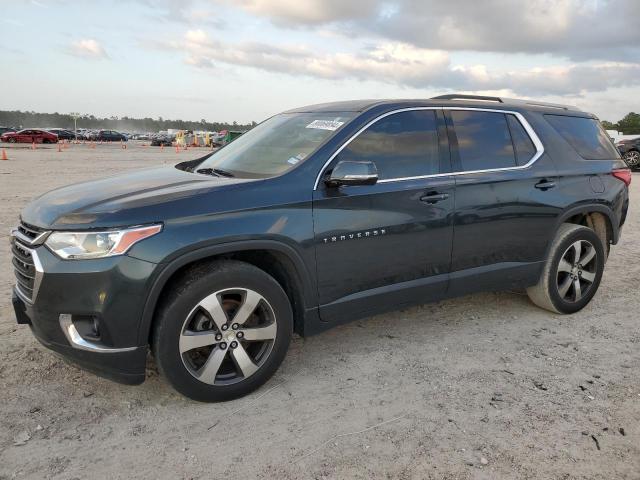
[
  {"x": 12, "y": 140},
  {"x": 222, "y": 331},
  {"x": 572, "y": 272}
]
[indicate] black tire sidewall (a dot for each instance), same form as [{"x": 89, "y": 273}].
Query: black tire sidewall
[
  {"x": 173, "y": 314},
  {"x": 580, "y": 234}
]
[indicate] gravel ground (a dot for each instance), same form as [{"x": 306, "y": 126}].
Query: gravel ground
[{"x": 485, "y": 386}]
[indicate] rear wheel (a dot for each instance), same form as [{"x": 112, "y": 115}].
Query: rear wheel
[
  {"x": 632, "y": 158},
  {"x": 223, "y": 331},
  {"x": 573, "y": 270}
]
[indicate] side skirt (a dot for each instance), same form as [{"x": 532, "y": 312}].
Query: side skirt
[{"x": 496, "y": 277}]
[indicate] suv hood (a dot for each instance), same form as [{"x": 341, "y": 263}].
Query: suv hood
[{"x": 121, "y": 200}]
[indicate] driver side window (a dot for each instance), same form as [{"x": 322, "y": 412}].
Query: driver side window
[{"x": 403, "y": 144}]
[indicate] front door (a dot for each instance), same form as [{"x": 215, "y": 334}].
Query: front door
[{"x": 386, "y": 245}]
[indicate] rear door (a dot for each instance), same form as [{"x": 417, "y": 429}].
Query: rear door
[
  {"x": 506, "y": 208},
  {"x": 384, "y": 245}
]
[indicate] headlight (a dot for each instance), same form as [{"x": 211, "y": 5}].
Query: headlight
[{"x": 81, "y": 245}]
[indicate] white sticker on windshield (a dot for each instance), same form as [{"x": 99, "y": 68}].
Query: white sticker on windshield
[
  {"x": 297, "y": 158},
  {"x": 325, "y": 124}
]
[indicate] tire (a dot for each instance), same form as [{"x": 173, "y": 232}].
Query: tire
[
  {"x": 193, "y": 338},
  {"x": 632, "y": 158},
  {"x": 11, "y": 140},
  {"x": 556, "y": 290}
]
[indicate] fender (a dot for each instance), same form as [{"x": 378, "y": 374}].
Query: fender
[
  {"x": 169, "y": 268},
  {"x": 593, "y": 207}
]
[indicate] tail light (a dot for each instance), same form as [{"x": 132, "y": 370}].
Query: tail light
[{"x": 623, "y": 174}]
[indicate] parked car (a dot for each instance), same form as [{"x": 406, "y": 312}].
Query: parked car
[
  {"x": 164, "y": 140},
  {"x": 630, "y": 151},
  {"x": 29, "y": 135},
  {"x": 110, "y": 136},
  {"x": 318, "y": 216},
  {"x": 63, "y": 134},
  {"x": 6, "y": 130}
]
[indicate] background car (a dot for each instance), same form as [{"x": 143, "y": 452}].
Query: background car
[
  {"x": 63, "y": 134},
  {"x": 162, "y": 140},
  {"x": 110, "y": 136},
  {"x": 6, "y": 129},
  {"x": 29, "y": 135},
  {"x": 630, "y": 151}
]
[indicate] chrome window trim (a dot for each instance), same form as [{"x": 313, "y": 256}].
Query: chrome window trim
[{"x": 523, "y": 121}]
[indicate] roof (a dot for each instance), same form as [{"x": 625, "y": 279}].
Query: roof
[{"x": 452, "y": 100}]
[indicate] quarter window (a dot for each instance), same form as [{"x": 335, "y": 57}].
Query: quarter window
[
  {"x": 586, "y": 135},
  {"x": 484, "y": 140},
  {"x": 401, "y": 145}
]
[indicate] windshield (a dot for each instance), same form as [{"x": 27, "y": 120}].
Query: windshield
[{"x": 276, "y": 145}]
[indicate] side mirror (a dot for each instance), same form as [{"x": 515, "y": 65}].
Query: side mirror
[{"x": 348, "y": 172}]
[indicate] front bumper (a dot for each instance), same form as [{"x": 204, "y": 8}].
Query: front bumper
[{"x": 75, "y": 295}]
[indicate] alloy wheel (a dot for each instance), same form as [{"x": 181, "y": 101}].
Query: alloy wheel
[
  {"x": 577, "y": 271},
  {"x": 228, "y": 336},
  {"x": 632, "y": 158}
]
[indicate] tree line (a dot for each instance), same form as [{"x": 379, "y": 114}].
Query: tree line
[
  {"x": 19, "y": 119},
  {"x": 629, "y": 125}
]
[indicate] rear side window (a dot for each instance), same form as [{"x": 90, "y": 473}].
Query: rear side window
[
  {"x": 404, "y": 144},
  {"x": 484, "y": 140},
  {"x": 586, "y": 135},
  {"x": 524, "y": 147}
]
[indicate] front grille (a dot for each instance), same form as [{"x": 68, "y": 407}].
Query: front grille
[
  {"x": 29, "y": 231},
  {"x": 23, "y": 268},
  {"x": 26, "y": 265}
]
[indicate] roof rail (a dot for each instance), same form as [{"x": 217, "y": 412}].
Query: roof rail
[
  {"x": 550, "y": 105},
  {"x": 459, "y": 96},
  {"x": 532, "y": 103}
]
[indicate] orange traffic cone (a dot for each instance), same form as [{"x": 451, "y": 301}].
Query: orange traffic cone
[
  {"x": 161, "y": 146},
  {"x": 33, "y": 145},
  {"x": 177, "y": 148},
  {"x": 4, "y": 155}
]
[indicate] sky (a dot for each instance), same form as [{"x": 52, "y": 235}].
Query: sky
[{"x": 244, "y": 60}]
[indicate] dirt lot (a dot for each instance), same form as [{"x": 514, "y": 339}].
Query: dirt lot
[{"x": 486, "y": 386}]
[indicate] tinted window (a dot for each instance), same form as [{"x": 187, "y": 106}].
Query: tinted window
[
  {"x": 525, "y": 149},
  {"x": 484, "y": 141},
  {"x": 586, "y": 135},
  {"x": 401, "y": 145}
]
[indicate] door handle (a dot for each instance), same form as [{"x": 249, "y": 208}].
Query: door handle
[
  {"x": 545, "y": 185},
  {"x": 434, "y": 197}
]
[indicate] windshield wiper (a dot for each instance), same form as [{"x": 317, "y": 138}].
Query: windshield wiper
[
  {"x": 223, "y": 173},
  {"x": 217, "y": 172}
]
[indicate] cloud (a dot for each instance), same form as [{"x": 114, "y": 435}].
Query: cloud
[
  {"x": 309, "y": 12},
  {"x": 575, "y": 29},
  {"x": 188, "y": 12},
  {"x": 406, "y": 65},
  {"x": 87, "y": 48}
]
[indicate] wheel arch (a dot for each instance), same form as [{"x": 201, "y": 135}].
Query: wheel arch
[
  {"x": 277, "y": 259},
  {"x": 598, "y": 217}
]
